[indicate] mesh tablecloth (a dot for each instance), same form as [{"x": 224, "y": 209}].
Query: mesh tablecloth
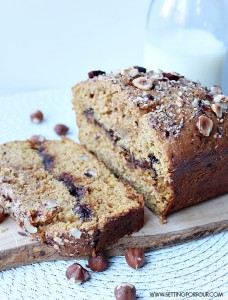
[{"x": 197, "y": 267}]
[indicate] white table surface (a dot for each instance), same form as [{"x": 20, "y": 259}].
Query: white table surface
[{"x": 198, "y": 266}]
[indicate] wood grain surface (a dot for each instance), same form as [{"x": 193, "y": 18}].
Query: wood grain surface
[{"x": 188, "y": 224}]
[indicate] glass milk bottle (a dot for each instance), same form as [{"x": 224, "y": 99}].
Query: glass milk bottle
[{"x": 188, "y": 37}]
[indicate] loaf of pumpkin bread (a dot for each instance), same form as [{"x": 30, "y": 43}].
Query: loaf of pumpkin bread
[
  {"x": 162, "y": 133},
  {"x": 62, "y": 195}
]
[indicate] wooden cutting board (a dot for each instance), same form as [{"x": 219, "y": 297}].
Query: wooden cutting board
[{"x": 189, "y": 224}]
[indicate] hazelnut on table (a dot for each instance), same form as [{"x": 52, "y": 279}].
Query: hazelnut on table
[
  {"x": 98, "y": 263},
  {"x": 61, "y": 129},
  {"x": 37, "y": 117},
  {"x": 135, "y": 257},
  {"x": 77, "y": 274},
  {"x": 125, "y": 292}
]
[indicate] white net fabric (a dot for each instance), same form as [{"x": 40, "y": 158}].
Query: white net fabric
[{"x": 199, "y": 266}]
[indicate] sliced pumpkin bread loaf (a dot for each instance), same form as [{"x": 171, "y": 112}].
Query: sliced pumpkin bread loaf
[{"x": 61, "y": 194}]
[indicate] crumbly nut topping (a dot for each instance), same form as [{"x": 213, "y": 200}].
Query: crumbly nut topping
[
  {"x": 170, "y": 100},
  {"x": 145, "y": 100},
  {"x": 164, "y": 118}
]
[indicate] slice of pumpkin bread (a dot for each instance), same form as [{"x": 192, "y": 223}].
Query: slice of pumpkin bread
[{"x": 61, "y": 194}]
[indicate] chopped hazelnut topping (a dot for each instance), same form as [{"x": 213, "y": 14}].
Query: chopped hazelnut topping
[
  {"x": 216, "y": 90},
  {"x": 222, "y": 100},
  {"x": 130, "y": 71},
  {"x": 204, "y": 125},
  {"x": 143, "y": 83},
  {"x": 217, "y": 109},
  {"x": 179, "y": 102},
  {"x": 195, "y": 103}
]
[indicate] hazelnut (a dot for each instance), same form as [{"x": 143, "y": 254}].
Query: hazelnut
[
  {"x": 61, "y": 129},
  {"x": 132, "y": 72},
  {"x": 143, "y": 83},
  {"x": 217, "y": 109},
  {"x": 216, "y": 90},
  {"x": 125, "y": 292},
  {"x": 135, "y": 257},
  {"x": 97, "y": 263},
  {"x": 37, "y": 139},
  {"x": 77, "y": 274},
  {"x": 2, "y": 215},
  {"x": 222, "y": 100},
  {"x": 95, "y": 73},
  {"x": 37, "y": 117},
  {"x": 156, "y": 76},
  {"x": 204, "y": 125}
]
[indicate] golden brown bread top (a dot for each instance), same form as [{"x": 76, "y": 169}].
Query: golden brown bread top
[{"x": 186, "y": 118}]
